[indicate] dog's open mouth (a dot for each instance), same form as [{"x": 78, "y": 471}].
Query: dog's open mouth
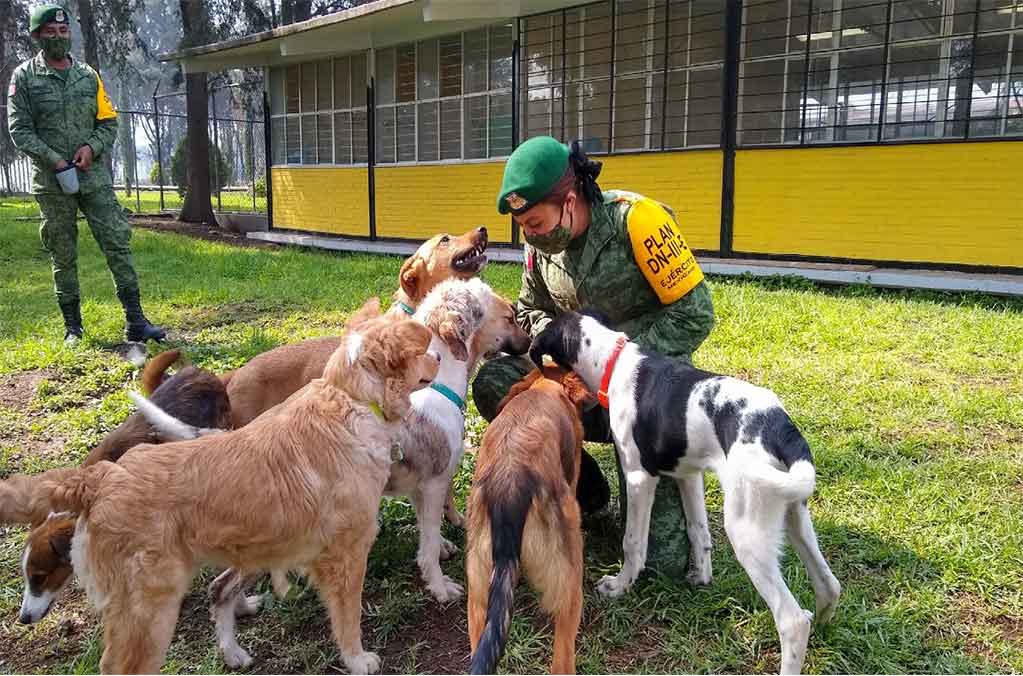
[{"x": 471, "y": 260}]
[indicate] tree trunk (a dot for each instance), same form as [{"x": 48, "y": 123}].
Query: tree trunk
[
  {"x": 293, "y": 11},
  {"x": 6, "y": 154},
  {"x": 88, "y": 24},
  {"x": 197, "y": 207}
]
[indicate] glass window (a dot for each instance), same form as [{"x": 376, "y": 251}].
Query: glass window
[
  {"x": 324, "y": 86},
  {"x": 358, "y": 70},
  {"x": 450, "y": 129},
  {"x": 501, "y": 57},
  {"x": 451, "y": 66},
  {"x": 292, "y": 88},
  {"x": 429, "y": 135},
  {"x": 308, "y": 94},
  {"x": 385, "y": 76},
  {"x": 475, "y": 68},
  {"x": 342, "y": 84},
  {"x": 428, "y": 78},
  {"x": 360, "y": 137},
  {"x": 405, "y": 74},
  {"x": 500, "y": 125},
  {"x": 324, "y": 138},
  {"x": 308, "y": 137},
  {"x": 475, "y": 127},
  {"x": 405, "y": 125},
  {"x": 385, "y": 134},
  {"x": 276, "y": 91},
  {"x": 343, "y": 138}
]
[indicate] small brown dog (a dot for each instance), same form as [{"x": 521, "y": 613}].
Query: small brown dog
[
  {"x": 194, "y": 394},
  {"x": 298, "y": 488},
  {"x": 270, "y": 378},
  {"x": 522, "y": 508}
]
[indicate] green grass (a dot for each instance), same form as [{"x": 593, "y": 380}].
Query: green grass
[
  {"x": 912, "y": 402},
  {"x": 148, "y": 202}
]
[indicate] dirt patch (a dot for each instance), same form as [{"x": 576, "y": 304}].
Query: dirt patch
[
  {"x": 439, "y": 637},
  {"x": 17, "y": 414},
  {"x": 211, "y": 233},
  {"x": 57, "y": 640},
  {"x": 19, "y": 389}
]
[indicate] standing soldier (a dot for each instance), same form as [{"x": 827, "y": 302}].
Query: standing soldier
[
  {"x": 61, "y": 117},
  {"x": 616, "y": 251}
]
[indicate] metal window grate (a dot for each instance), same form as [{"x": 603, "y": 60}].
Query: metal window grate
[
  {"x": 840, "y": 71},
  {"x": 624, "y": 75}
]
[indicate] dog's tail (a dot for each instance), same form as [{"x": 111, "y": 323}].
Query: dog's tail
[
  {"x": 167, "y": 426},
  {"x": 507, "y": 522},
  {"x": 75, "y": 490},
  {"x": 153, "y": 373},
  {"x": 25, "y": 499},
  {"x": 797, "y": 484}
]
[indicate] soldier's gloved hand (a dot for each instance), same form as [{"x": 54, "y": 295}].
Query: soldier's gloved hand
[{"x": 83, "y": 157}]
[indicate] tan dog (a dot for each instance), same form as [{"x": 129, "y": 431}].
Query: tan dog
[
  {"x": 196, "y": 395},
  {"x": 298, "y": 488},
  {"x": 523, "y": 508},
  {"x": 271, "y": 377}
]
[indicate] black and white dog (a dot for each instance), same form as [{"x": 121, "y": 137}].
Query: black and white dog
[{"x": 671, "y": 419}]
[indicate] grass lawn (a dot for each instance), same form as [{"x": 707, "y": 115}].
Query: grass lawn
[
  {"x": 912, "y": 403},
  {"x": 148, "y": 202}
]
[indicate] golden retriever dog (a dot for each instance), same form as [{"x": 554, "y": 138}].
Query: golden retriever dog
[
  {"x": 522, "y": 509},
  {"x": 194, "y": 394},
  {"x": 271, "y": 377},
  {"x": 298, "y": 488}
]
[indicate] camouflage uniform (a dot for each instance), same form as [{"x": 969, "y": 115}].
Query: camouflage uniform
[
  {"x": 52, "y": 113},
  {"x": 600, "y": 270}
]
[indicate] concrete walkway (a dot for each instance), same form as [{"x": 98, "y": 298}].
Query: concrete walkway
[{"x": 829, "y": 273}]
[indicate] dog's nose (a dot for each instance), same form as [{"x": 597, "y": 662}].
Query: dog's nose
[
  {"x": 25, "y": 618},
  {"x": 435, "y": 355},
  {"x": 482, "y": 230}
]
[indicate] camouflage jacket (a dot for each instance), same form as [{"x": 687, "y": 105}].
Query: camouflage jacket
[
  {"x": 600, "y": 270},
  {"x": 50, "y": 117}
]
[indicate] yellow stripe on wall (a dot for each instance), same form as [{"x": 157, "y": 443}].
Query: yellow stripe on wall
[
  {"x": 417, "y": 202},
  {"x": 937, "y": 203},
  {"x": 688, "y": 182},
  {"x": 322, "y": 199}
]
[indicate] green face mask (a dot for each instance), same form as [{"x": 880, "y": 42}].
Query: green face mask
[
  {"x": 555, "y": 241},
  {"x": 55, "y": 48}
]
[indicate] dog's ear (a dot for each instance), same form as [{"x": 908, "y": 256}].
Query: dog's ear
[
  {"x": 411, "y": 277},
  {"x": 577, "y": 391},
  {"x": 518, "y": 388},
  {"x": 60, "y": 540},
  {"x": 369, "y": 310},
  {"x": 454, "y": 331}
]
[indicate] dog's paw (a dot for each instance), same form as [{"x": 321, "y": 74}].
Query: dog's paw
[
  {"x": 447, "y": 549},
  {"x": 612, "y": 586},
  {"x": 248, "y": 605},
  {"x": 235, "y": 657},
  {"x": 446, "y": 590},
  {"x": 363, "y": 663},
  {"x": 279, "y": 582}
]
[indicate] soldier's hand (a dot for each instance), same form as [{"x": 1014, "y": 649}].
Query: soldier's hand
[
  {"x": 61, "y": 165},
  {"x": 83, "y": 157}
]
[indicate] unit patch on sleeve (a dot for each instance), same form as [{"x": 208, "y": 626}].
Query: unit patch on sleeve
[{"x": 661, "y": 252}]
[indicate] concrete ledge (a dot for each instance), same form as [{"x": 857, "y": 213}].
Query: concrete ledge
[{"x": 827, "y": 273}]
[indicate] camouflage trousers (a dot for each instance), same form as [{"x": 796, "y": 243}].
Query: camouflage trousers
[
  {"x": 668, "y": 545},
  {"x": 110, "y": 229}
]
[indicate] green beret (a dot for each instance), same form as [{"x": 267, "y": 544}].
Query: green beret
[
  {"x": 44, "y": 14},
  {"x": 530, "y": 173}
]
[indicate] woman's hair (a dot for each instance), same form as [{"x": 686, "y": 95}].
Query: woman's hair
[{"x": 581, "y": 175}]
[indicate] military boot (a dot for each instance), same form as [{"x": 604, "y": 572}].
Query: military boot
[
  {"x": 73, "y": 329},
  {"x": 137, "y": 328}
]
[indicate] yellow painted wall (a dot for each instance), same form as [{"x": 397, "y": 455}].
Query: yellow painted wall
[
  {"x": 689, "y": 182},
  {"x": 417, "y": 202},
  {"x": 940, "y": 203},
  {"x": 322, "y": 199}
]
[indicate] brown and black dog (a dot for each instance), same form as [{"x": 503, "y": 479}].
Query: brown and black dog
[
  {"x": 522, "y": 508},
  {"x": 193, "y": 394},
  {"x": 270, "y": 378}
]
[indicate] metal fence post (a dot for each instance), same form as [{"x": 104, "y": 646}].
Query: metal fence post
[
  {"x": 252, "y": 159},
  {"x": 159, "y": 145},
  {"x": 135, "y": 165},
  {"x": 216, "y": 145}
]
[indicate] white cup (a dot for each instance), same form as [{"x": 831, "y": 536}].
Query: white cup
[{"x": 68, "y": 179}]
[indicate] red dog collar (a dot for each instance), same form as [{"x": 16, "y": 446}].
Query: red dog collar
[{"x": 605, "y": 382}]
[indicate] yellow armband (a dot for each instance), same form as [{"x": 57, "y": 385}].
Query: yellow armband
[
  {"x": 104, "y": 107},
  {"x": 661, "y": 252}
]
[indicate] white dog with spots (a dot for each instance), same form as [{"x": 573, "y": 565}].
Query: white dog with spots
[{"x": 670, "y": 419}]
